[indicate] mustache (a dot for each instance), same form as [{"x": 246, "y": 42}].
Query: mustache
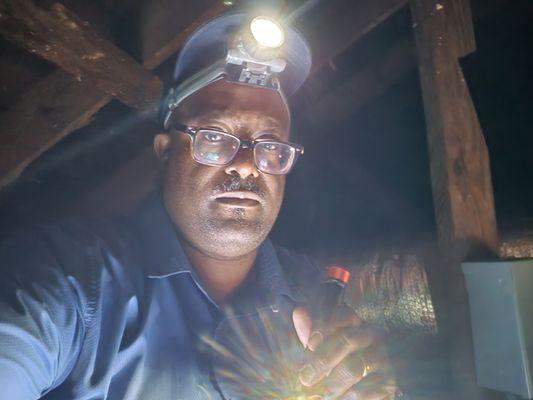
[{"x": 236, "y": 183}]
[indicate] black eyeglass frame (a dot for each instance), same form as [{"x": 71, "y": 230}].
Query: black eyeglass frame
[{"x": 243, "y": 144}]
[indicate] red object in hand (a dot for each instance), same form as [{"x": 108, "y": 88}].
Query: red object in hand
[
  {"x": 337, "y": 273},
  {"x": 332, "y": 292}
]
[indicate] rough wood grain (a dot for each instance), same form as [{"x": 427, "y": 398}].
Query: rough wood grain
[
  {"x": 460, "y": 27},
  {"x": 55, "y": 107},
  {"x": 460, "y": 178},
  {"x": 163, "y": 27},
  {"x": 60, "y": 37},
  {"x": 459, "y": 158},
  {"x": 69, "y": 104}
]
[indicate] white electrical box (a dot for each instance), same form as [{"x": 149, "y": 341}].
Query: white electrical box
[{"x": 501, "y": 308}]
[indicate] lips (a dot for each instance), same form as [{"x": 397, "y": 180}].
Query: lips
[{"x": 238, "y": 198}]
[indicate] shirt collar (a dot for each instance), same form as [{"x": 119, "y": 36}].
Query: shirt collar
[{"x": 165, "y": 256}]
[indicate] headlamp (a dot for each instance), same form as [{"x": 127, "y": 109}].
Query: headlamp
[
  {"x": 258, "y": 46},
  {"x": 258, "y": 51}
]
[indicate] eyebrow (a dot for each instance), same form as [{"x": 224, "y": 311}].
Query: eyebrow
[{"x": 271, "y": 125}]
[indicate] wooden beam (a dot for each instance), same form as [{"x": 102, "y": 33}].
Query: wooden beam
[
  {"x": 342, "y": 22},
  {"x": 460, "y": 27},
  {"x": 51, "y": 110},
  {"x": 162, "y": 27},
  {"x": 352, "y": 21},
  {"x": 39, "y": 109},
  {"x": 460, "y": 175},
  {"x": 364, "y": 85},
  {"x": 62, "y": 38},
  {"x": 459, "y": 159},
  {"x": 327, "y": 100}
]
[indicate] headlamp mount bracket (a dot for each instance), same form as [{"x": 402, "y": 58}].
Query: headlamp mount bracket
[{"x": 239, "y": 67}]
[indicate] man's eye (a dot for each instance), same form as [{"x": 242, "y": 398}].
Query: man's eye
[
  {"x": 213, "y": 137},
  {"x": 271, "y": 146}
]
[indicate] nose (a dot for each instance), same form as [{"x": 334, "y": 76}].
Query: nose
[{"x": 243, "y": 165}]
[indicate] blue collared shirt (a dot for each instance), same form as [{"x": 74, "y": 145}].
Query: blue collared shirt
[{"x": 112, "y": 309}]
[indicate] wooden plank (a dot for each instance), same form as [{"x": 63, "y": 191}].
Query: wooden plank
[
  {"x": 39, "y": 112},
  {"x": 319, "y": 104},
  {"x": 342, "y": 22},
  {"x": 460, "y": 27},
  {"x": 460, "y": 179},
  {"x": 460, "y": 162},
  {"x": 62, "y": 38},
  {"x": 364, "y": 85},
  {"x": 163, "y": 27},
  {"x": 55, "y": 107}
]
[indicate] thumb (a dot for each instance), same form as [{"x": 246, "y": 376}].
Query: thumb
[{"x": 302, "y": 324}]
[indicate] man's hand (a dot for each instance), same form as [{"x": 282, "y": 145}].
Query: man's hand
[{"x": 348, "y": 361}]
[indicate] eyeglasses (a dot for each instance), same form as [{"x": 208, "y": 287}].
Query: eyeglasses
[{"x": 218, "y": 148}]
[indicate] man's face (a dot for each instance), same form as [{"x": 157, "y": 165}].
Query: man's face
[{"x": 205, "y": 202}]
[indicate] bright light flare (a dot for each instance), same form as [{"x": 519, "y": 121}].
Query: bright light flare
[{"x": 267, "y": 32}]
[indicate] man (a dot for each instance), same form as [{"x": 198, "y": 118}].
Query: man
[{"x": 188, "y": 299}]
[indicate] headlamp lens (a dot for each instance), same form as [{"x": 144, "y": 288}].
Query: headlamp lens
[{"x": 267, "y": 32}]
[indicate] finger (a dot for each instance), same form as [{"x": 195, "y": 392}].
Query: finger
[
  {"x": 348, "y": 318},
  {"x": 332, "y": 352},
  {"x": 302, "y": 324},
  {"x": 368, "y": 370},
  {"x": 345, "y": 341}
]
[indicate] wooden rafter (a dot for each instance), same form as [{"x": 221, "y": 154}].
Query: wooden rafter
[
  {"x": 51, "y": 110},
  {"x": 460, "y": 171},
  {"x": 351, "y": 22},
  {"x": 153, "y": 52},
  {"x": 342, "y": 22},
  {"x": 59, "y": 95},
  {"x": 322, "y": 106},
  {"x": 364, "y": 85},
  {"x": 62, "y": 38}
]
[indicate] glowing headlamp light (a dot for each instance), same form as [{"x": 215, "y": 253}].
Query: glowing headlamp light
[
  {"x": 267, "y": 32},
  {"x": 258, "y": 45}
]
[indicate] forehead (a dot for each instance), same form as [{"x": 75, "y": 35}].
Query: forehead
[
  {"x": 239, "y": 119},
  {"x": 241, "y": 106}
]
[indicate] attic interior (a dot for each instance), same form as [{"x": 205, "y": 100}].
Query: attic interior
[{"x": 364, "y": 184}]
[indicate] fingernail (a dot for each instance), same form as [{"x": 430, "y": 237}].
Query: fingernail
[
  {"x": 307, "y": 375},
  {"x": 314, "y": 340}
]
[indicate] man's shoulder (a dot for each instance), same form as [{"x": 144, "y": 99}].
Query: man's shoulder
[
  {"x": 81, "y": 250},
  {"x": 72, "y": 237}
]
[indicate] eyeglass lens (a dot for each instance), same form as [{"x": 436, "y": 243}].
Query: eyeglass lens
[
  {"x": 273, "y": 157},
  {"x": 218, "y": 148},
  {"x": 214, "y": 148}
]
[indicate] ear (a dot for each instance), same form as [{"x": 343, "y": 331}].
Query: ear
[{"x": 161, "y": 145}]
